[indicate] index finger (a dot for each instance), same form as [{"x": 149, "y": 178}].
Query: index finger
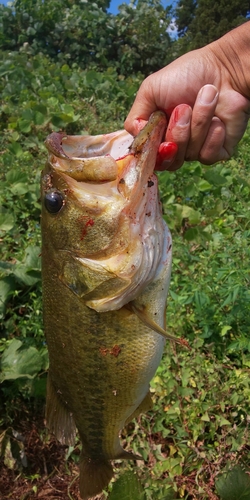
[{"x": 144, "y": 105}]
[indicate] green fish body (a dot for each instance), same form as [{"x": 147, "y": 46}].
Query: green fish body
[{"x": 106, "y": 262}]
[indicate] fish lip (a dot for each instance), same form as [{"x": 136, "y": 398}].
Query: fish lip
[{"x": 53, "y": 144}]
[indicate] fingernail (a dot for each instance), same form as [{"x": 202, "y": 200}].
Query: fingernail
[
  {"x": 139, "y": 125},
  {"x": 207, "y": 94},
  {"x": 166, "y": 153},
  {"x": 183, "y": 117}
]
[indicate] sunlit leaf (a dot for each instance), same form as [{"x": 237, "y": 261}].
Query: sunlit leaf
[
  {"x": 225, "y": 329},
  {"x": 6, "y": 221},
  {"x": 203, "y": 185}
]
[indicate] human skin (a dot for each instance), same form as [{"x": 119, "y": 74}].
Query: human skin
[{"x": 206, "y": 95}]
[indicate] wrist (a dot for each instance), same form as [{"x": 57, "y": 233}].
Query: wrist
[{"x": 233, "y": 53}]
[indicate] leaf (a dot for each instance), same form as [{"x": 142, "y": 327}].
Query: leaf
[
  {"x": 191, "y": 234},
  {"x": 28, "y": 272},
  {"x": 30, "y": 31},
  {"x": 27, "y": 277},
  {"x": 6, "y": 221},
  {"x": 174, "y": 295},
  {"x": 15, "y": 175},
  {"x": 203, "y": 185},
  {"x": 92, "y": 77},
  {"x": 223, "y": 421},
  {"x": 38, "y": 387},
  {"x": 24, "y": 126},
  {"x": 39, "y": 118},
  {"x": 19, "y": 188},
  {"x": 6, "y": 453},
  {"x": 214, "y": 178},
  {"x": 32, "y": 258},
  {"x": 191, "y": 214},
  {"x": 225, "y": 329},
  {"x": 234, "y": 485},
  {"x": 19, "y": 362},
  {"x": 127, "y": 487},
  {"x": 201, "y": 300},
  {"x": 7, "y": 285},
  {"x": 15, "y": 149},
  {"x": 205, "y": 417}
]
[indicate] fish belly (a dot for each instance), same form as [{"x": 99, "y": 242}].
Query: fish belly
[{"x": 100, "y": 368}]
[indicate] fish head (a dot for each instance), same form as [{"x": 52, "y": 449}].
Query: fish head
[{"x": 101, "y": 214}]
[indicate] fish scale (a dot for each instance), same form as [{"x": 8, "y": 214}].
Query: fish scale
[{"x": 92, "y": 365}]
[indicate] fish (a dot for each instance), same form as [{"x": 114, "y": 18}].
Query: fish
[{"x": 106, "y": 267}]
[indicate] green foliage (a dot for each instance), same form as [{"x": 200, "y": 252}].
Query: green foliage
[
  {"x": 201, "y": 22},
  {"x": 199, "y": 422},
  {"x": 35, "y": 103},
  {"x": 184, "y": 15},
  {"x": 211, "y": 219},
  {"x": 84, "y": 33},
  {"x": 142, "y": 42}
]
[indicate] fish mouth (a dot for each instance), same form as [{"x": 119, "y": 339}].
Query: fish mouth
[
  {"x": 90, "y": 158},
  {"x": 117, "y": 170},
  {"x": 109, "y": 157}
]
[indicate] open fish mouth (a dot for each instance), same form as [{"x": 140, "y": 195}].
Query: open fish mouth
[{"x": 112, "y": 177}]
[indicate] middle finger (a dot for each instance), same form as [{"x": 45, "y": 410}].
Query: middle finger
[{"x": 203, "y": 112}]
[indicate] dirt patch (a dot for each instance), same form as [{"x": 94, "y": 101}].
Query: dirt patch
[{"x": 34, "y": 465}]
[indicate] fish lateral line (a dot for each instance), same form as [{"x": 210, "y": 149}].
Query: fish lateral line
[{"x": 147, "y": 321}]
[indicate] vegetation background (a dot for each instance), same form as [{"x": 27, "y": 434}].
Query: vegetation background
[{"x": 70, "y": 65}]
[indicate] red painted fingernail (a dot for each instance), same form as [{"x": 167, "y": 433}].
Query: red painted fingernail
[{"x": 166, "y": 152}]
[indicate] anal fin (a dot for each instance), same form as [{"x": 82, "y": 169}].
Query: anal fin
[
  {"x": 58, "y": 418},
  {"x": 144, "y": 406},
  {"x": 127, "y": 455}
]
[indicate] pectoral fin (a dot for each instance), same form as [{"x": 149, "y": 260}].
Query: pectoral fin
[
  {"x": 92, "y": 282},
  {"x": 150, "y": 323}
]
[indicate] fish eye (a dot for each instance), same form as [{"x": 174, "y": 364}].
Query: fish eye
[{"x": 53, "y": 201}]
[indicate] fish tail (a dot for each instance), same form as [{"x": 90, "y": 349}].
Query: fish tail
[{"x": 94, "y": 476}]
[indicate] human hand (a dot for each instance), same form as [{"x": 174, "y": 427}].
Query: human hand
[{"x": 207, "y": 112}]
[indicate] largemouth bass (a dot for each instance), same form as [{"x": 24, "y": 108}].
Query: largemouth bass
[{"x": 106, "y": 262}]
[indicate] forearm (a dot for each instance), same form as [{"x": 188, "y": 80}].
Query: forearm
[{"x": 233, "y": 52}]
